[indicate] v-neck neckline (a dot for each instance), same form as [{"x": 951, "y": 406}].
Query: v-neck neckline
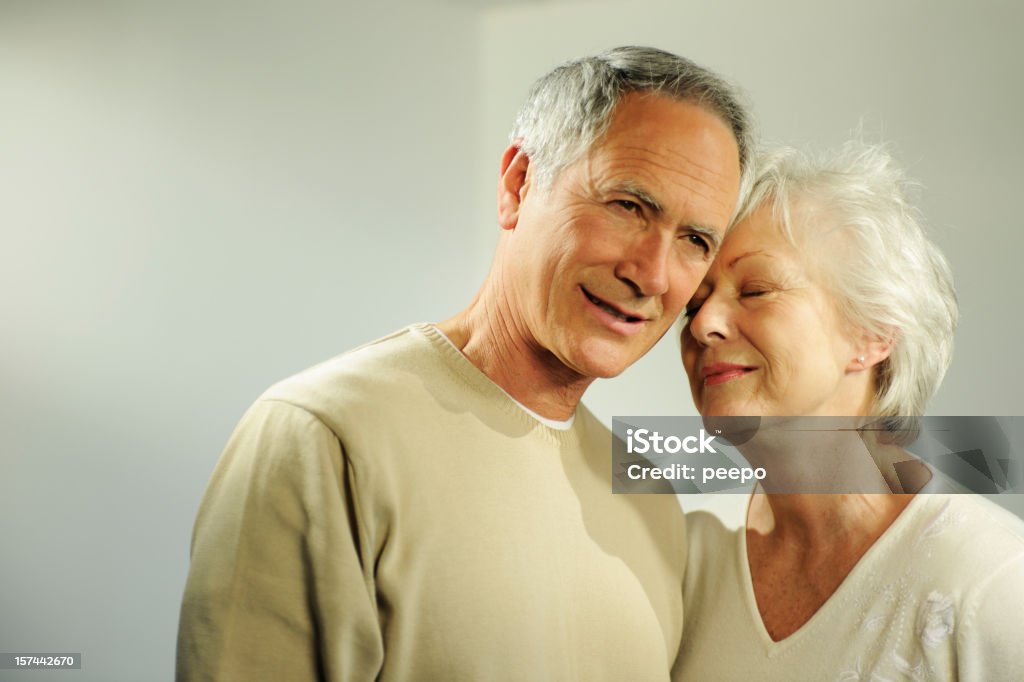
[{"x": 774, "y": 648}]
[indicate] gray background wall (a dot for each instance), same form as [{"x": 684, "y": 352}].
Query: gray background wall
[{"x": 199, "y": 198}]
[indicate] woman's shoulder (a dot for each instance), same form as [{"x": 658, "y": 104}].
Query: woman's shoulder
[
  {"x": 986, "y": 549},
  {"x": 706, "y": 527},
  {"x": 714, "y": 568},
  {"x": 709, "y": 539},
  {"x": 964, "y": 543},
  {"x": 971, "y": 524}
]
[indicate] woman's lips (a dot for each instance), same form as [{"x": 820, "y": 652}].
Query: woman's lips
[{"x": 721, "y": 372}]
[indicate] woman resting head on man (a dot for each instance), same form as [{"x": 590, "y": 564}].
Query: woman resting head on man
[{"x": 827, "y": 301}]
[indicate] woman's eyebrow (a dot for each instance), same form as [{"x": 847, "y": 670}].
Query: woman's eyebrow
[{"x": 748, "y": 254}]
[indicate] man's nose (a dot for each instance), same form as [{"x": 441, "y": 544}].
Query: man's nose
[{"x": 645, "y": 265}]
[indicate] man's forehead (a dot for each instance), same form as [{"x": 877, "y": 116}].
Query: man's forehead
[
  {"x": 658, "y": 183},
  {"x": 666, "y": 181}
]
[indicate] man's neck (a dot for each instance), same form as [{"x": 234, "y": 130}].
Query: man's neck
[{"x": 527, "y": 372}]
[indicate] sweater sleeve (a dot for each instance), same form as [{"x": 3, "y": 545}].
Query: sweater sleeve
[
  {"x": 990, "y": 638},
  {"x": 280, "y": 585}
]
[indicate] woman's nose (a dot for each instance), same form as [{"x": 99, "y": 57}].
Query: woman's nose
[{"x": 711, "y": 322}]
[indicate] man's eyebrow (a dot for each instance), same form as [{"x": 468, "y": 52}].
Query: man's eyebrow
[
  {"x": 713, "y": 235},
  {"x": 640, "y": 195}
]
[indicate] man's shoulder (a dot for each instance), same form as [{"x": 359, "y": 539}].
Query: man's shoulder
[
  {"x": 380, "y": 354},
  {"x": 370, "y": 374}
]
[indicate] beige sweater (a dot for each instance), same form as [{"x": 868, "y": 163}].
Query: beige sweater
[
  {"x": 940, "y": 596},
  {"x": 392, "y": 514}
]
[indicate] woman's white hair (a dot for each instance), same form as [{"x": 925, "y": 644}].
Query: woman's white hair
[{"x": 850, "y": 211}]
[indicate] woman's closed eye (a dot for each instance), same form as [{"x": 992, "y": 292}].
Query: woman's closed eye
[{"x": 756, "y": 289}]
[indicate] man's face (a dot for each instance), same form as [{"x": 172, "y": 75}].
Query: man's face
[{"x": 601, "y": 263}]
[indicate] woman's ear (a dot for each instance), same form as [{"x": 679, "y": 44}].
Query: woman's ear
[
  {"x": 513, "y": 183},
  {"x": 872, "y": 350}
]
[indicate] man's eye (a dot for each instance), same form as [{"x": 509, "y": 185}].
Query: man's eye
[
  {"x": 753, "y": 293},
  {"x": 628, "y": 205},
  {"x": 698, "y": 241}
]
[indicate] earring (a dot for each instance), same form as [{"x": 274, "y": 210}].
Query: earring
[{"x": 861, "y": 359}]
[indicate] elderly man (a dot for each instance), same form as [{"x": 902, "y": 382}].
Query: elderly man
[{"x": 437, "y": 504}]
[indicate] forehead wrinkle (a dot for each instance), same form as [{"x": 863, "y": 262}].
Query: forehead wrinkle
[
  {"x": 636, "y": 178},
  {"x": 705, "y": 174},
  {"x": 689, "y": 156}
]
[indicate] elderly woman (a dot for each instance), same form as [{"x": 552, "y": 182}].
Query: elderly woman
[{"x": 828, "y": 300}]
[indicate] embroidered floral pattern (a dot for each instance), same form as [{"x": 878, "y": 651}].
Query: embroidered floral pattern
[
  {"x": 935, "y": 619},
  {"x": 895, "y": 606}
]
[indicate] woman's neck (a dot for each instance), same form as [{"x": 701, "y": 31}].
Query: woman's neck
[
  {"x": 815, "y": 455},
  {"x": 800, "y": 549},
  {"x": 821, "y": 521}
]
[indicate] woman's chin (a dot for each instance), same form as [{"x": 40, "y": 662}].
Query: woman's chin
[{"x": 726, "y": 408}]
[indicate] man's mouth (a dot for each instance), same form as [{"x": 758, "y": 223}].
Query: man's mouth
[{"x": 610, "y": 309}]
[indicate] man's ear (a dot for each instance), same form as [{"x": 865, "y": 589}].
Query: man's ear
[{"x": 513, "y": 184}]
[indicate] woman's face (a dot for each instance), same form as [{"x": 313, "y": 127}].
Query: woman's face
[{"x": 763, "y": 337}]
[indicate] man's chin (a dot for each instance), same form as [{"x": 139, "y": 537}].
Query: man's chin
[
  {"x": 608, "y": 373},
  {"x": 605, "y": 363}
]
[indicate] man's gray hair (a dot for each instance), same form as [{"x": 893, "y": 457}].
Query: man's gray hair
[
  {"x": 570, "y": 108},
  {"x": 885, "y": 274}
]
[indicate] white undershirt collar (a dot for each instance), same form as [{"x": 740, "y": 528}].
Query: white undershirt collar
[{"x": 556, "y": 424}]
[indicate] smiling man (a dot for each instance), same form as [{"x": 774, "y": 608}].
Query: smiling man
[{"x": 437, "y": 504}]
